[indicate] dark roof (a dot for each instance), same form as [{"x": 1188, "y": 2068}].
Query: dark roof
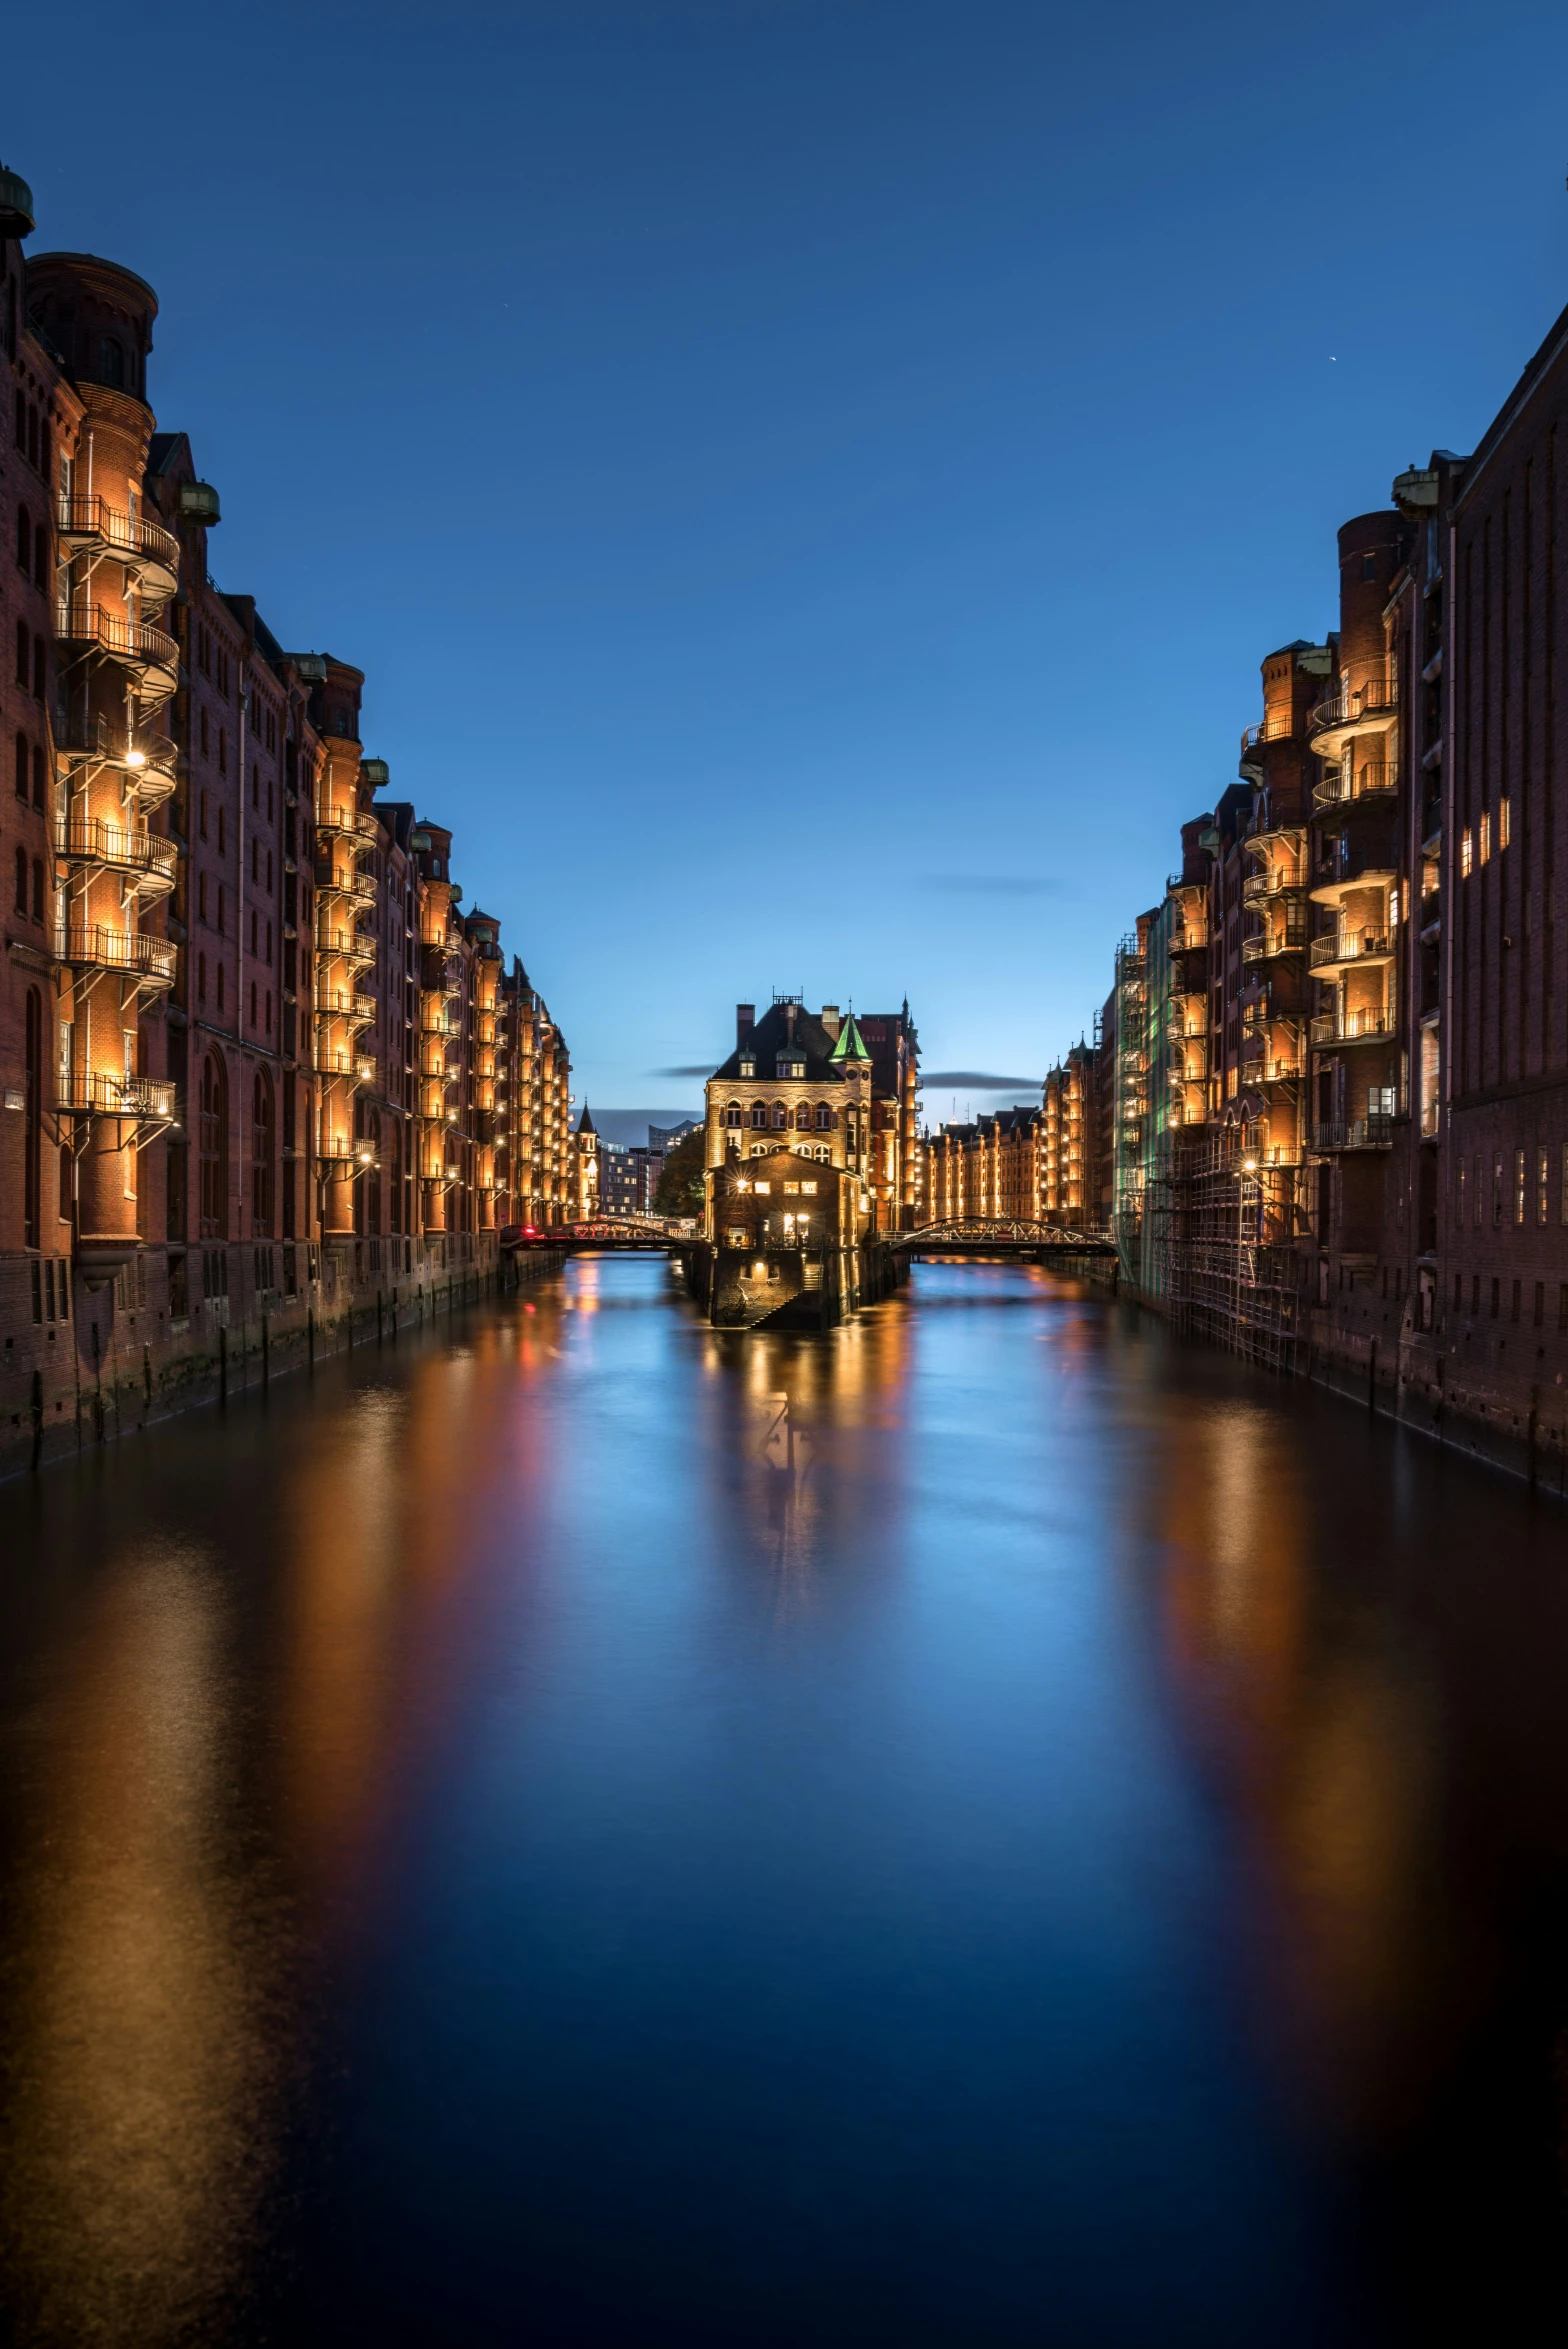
[
  {"x": 771, "y": 1036},
  {"x": 585, "y": 1124}
]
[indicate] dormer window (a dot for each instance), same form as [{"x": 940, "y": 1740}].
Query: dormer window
[
  {"x": 748, "y": 1064},
  {"x": 789, "y": 1066}
]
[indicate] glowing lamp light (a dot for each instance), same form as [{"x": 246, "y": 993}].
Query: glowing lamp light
[
  {"x": 1249, "y": 1166},
  {"x": 136, "y": 758}
]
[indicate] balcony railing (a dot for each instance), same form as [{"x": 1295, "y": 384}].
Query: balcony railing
[
  {"x": 347, "y": 823},
  {"x": 94, "y": 842},
  {"x": 148, "y": 757},
  {"x": 1353, "y": 1027},
  {"x": 1356, "y": 1133},
  {"x": 93, "y": 946},
  {"x": 334, "y": 1062},
  {"x": 1351, "y": 946},
  {"x": 1284, "y": 938},
  {"x": 134, "y": 539},
  {"x": 1374, "y": 698},
  {"x": 1354, "y": 863},
  {"x": 344, "y": 1003},
  {"x": 1376, "y": 782},
  {"x": 1189, "y": 938},
  {"x": 80, "y": 1094},
  {"x": 150, "y": 651},
  {"x": 358, "y": 888},
  {"x": 356, "y": 946}
]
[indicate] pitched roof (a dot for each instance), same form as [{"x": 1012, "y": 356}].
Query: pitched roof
[
  {"x": 809, "y": 1041},
  {"x": 585, "y": 1124}
]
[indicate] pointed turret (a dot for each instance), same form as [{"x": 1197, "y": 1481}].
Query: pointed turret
[
  {"x": 851, "y": 1044},
  {"x": 585, "y": 1124}
]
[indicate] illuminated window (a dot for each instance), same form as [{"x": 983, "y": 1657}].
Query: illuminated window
[
  {"x": 1543, "y": 1183},
  {"x": 1466, "y": 853},
  {"x": 810, "y": 1187},
  {"x": 1503, "y": 825},
  {"x": 1485, "y": 841},
  {"x": 1518, "y": 1186},
  {"x": 764, "y": 1190}
]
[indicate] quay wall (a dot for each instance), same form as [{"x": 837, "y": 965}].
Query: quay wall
[{"x": 120, "y": 1367}]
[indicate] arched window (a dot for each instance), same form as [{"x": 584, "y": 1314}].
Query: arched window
[
  {"x": 38, "y": 889},
  {"x": 212, "y": 1146},
  {"x": 261, "y": 1157},
  {"x": 201, "y": 978},
  {"x": 803, "y": 1116},
  {"x": 24, "y": 655},
  {"x": 38, "y": 777},
  {"x": 759, "y": 1113},
  {"x": 732, "y": 1115},
  {"x": 24, "y": 541},
  {"x": 780, "y": 1114},
  {"x": 824, "y": 1118},
  {"x": 220, "y": 986},
  {"x": 40, "y": 557},
  {"x": 21, "y": 766},
  {"x": 21, "y": 880},
  {"x": 111, "y": 362}
]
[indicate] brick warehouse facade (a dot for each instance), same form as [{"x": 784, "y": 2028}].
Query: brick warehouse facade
[
  {"x": 1337, "y": 1050},
  {"x": 258, "y": 1068}
]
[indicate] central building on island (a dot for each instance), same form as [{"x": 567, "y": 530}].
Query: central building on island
[{"x": 811, "y": 1160}]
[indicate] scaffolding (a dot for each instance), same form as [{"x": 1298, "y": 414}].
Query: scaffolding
[
  {"x": 1223, "y": 1220},
  {"x": 1131, "y": 1105}
]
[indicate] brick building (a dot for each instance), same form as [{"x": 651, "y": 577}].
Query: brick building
[
  {"x": 844, "y": 1086},
  {"x": 257, "y": 1066}
]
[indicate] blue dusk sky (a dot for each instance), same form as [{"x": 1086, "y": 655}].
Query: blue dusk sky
[{"x": 809, "y": 482}]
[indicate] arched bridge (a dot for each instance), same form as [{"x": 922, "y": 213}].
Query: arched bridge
[{"x": 986, "y": 1235}]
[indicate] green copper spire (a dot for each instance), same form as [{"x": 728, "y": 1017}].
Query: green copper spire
[{"x": 851, "y": 1044}]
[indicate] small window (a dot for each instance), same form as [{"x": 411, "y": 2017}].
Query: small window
[
  {"x": 111, "y": 362},
  {"x": 809, "y": 1187},
  {"x": 764, "y": 1190},
  {"x": 1369, "y": 566}
]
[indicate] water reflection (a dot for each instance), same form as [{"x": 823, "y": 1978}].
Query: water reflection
[{"x": 980, "y": 1826}]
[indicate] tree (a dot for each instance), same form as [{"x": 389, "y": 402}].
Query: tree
[{"x": 680, "y": 1189}]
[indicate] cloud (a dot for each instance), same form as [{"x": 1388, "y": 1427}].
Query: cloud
[
  {"x": 700, "y": 1068},
  {"x": 991, "y": 884},
  {"x": 976, "y": 1080}
]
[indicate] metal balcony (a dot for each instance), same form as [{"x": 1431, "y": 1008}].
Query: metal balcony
[
  {"x": 89, "y": 841},
  {"x": 1371, "y": 785},
  {"x": 1354, "y": 709},
  {"x": 148, "y": 758},
  {"x": 146, "y": 548},
  {"x": 1353, "y": 868},
  {"x": 83, "y": 1095},
  {"x": 344, "y": 823},
  {"x": 150, "y": 654},
  {"x": 1189, "y": 938},
  {"x": 1371, "y": 1025},
  {"x": 95, "y": 947},
  {"x": 354, "y": 946},
  {"x": 1341, "y": 948},
  {"x": 334, "y": 1061},
  {"x": 1284, "y": 938},
  {"x": 1356, "y": 1133},
  {"x": 355, "y": 887},
  {"x": 344, "y": 1003}
]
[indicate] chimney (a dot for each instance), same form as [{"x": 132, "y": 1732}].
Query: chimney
[
  {"x": 831, "y": 1020},
  {"x": 745, "y": 1021}
]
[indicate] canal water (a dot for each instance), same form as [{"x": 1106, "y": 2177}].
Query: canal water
[{"x": 983, "y": 1827}]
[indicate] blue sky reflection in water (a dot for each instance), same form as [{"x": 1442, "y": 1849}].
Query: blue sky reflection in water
[{"x": 978, "y": 1828}]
